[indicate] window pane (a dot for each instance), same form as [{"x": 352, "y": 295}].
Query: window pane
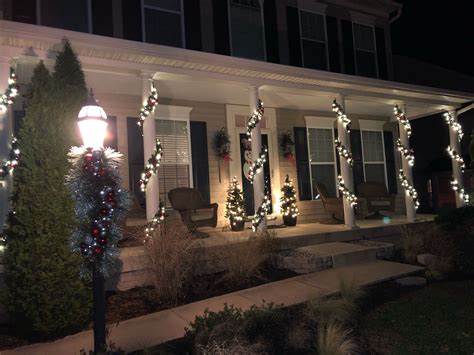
[
  {"x": 69, "y": 15},
  {"x": 373, "y": 146},
  {"x": 324, "y": 174},
  {"x": 173, "y": 5},
  {"x": 364, "y": 37},
  {"x": 375, "y": 173},
  {"x": 246, "y": 29},
  {"x": 321, "y": 145},
  {"x": 314, "y": 54},
  {"x": 174, "y": 137},
  {"x": 170, "y": 177},
  {"x": 312, "y": 26},
  {"x": 163, "y": 28},
  {"x": 366, "y": 64}
]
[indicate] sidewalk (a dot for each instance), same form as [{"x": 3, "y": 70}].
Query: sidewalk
[{"x": 153, "y": 329}]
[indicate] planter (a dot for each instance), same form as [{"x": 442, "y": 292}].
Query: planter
[
  {"x": 289, "y": 221},
  {"x": 237, "y": 226}
]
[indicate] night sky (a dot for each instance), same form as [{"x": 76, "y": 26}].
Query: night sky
[{"x": 437, "y": 31}]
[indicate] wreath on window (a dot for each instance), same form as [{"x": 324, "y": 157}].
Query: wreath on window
[
  {"x": 287, "y": 144},
  {"x": 222, "y": 145}
]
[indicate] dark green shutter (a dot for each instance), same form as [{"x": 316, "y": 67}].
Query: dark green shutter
[
  {"x": 381, "y": 52},
  {"x": 356, "y": 150},
  {"x": 135, "y": 157},
  {"x": 348, "y": 47},
  {"x": 333, "y": 44},
  {"x": 294, "y": 38},
  {"x": 338, "y": 163},
  {"x": 132, "y": 20},
  {"x": 192, "y": 24},
  {"x": 200, "y": 160},
  {"x": 302, "y": 163},
  {"x": 390, "y": 161},
  {"x": 221, "y": 27},
  {"x": 271, "y": 31}
]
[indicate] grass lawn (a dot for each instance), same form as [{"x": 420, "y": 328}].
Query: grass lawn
[{"x": 437, "y": 319}]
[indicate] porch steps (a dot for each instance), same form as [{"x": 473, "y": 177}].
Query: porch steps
[
  {"x": 311, "y": 211},
  {"x": 318, "y": 257}
]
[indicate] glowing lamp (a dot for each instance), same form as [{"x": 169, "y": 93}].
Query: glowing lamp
[{"x": 92, "y": 122}]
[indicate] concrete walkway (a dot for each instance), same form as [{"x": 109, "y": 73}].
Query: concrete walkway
[{"x": 153, "y": 329}]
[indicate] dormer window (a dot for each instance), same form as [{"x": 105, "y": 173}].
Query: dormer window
[
  {"x": 163, "y": 22},
  {"x": 365, "y": 50},
  {"x": 313, "y": 40}
]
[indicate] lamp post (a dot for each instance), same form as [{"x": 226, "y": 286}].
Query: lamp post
[{"x": 92, "y": 122}]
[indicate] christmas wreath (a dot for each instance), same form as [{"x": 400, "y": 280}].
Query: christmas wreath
[
  {"x": 222, "y": 145},
  {"x": 287, "y": 145}
]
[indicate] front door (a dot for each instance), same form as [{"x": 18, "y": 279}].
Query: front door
[{"x": 246, "y": 159}]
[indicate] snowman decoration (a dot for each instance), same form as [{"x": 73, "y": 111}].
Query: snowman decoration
[{"x": 248, "y": 157}]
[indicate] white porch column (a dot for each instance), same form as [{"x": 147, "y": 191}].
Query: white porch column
[
  {"x": 6, "y": 130},
  {"x": 407, "y": 169},
  {"x": 256, "y": 135},
  {"x": 346, "y": 170},
  {"x": 457, "y": 171},
  {"x": 149, "y": 139}
]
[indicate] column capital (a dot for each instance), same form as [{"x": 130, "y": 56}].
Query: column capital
[
  {"x": 340, "y": 98},
  {"x": 147, "y": 75}
]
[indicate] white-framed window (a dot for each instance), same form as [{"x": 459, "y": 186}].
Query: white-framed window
[
  {"x": 163, "y": 22},
  {"x": 321, "y": 154},
  {"x": 373, "y": 151},
  {"x": 176, "y": 165},
  {"x": 74, "y": 15},
  {"x": 246, "y": 28},
  {"x": 314, "y": 46},
  {"x": 365, "y": 50}
]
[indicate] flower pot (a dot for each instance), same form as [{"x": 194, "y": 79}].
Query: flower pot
[
  {"x": 237, "y": 226},
  {"x": 289, "y": 221}
]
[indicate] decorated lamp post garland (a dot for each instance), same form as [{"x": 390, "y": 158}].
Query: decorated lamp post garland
[
  {"x": 408, "y": 154},
  {"x": 456, "y": 157},
  {"x": 11, "y": 92},
  {"x": 10, "y": 165},
  {"x": 348, "y": 195},
  {"x": 149, "y": 106},
  {"x": 456, "y": 126},
  {"x": 344, "y": 152},
  {"x": 255, "y": 119},
  {"x": 152, "y": 165},
  {"x": 257, "y": 165},
  {"x": 401, "y": 117},
  {"x": 235, "y": 206},
  {"x": 409, "y": 189},
  {"x": 460, "y": 191},
  {"x": 288, "y": 202},
  {"x": 341, "y": 115},
  {"x": 94, "y": 184}
]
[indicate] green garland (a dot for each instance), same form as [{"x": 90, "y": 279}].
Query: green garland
[
  {"x": 152, "y": 165},
  {"x": 155, "y": 222},
  {"x": 149, "y": 106},
  {"x": 255, "y": 119},
  {"x": 11, "y": 92},
  {"x": 10, "y": 165},
  {"x": 401, "y": 117}
]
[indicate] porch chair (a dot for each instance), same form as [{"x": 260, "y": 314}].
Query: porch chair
[
  {"x": 332, "y": 205},
  {"x": 377, "y": 198},
  {"x": 194, "y": 211}
]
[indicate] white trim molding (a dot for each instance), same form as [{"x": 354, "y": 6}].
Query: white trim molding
[
  {"x": 371, "y": 125},
  {"x": 320, "y": 122},
  {"x": 172, "y": 112}
]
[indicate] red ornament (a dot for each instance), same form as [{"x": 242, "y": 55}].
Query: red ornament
[
  {"x": 102, "y": 172},
  {"x": 88, "y": 157},
  {"x": 95, "y": 232},
  {"x": 103, "y": 241},
  {"x": 98, "y": 250},
  {"x": 104, "y": 211}
]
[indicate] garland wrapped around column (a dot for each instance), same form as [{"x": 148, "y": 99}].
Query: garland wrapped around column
[
  {"x": 262, "y": 211},
  {"x": 10, "y": 165},
  {"x": 400, "y": 116},
  {"x": 95, "y": 186},
  {"x": 408, "y": 154},
  {"x": 456, "y": 126},
  {"x": 149, "y": 106},
  {"x": 341, "y": 116},
  {"x": 410, "y": 190},
  {"x": 255, "y": 119},
  {"x": 152, "y": 165},
  {"x": 11, "y": 92},
  {"x": 155, "y": 222},
  {"x": 257, "y": 165},
  {"x": 344, "y": 152},
  {"x": 348, "y": 195},
  {"x": 456, "y": 157},
  {"x": 460, "y": 191}
]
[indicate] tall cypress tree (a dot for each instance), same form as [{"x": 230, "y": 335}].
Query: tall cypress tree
[{"x": 45, "y": 296}]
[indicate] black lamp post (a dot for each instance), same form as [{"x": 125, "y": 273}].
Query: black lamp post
[{"x": 92, "y": 122}]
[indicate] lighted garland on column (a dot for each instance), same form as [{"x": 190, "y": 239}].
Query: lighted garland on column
[
  {"x": 341, "y": 115},
  {"x": 456, "y": 157},
  {"x": 408, "y": 154},
  {"x": 155, "y": 222},
  {"x": 410, "y": 190},
  {"x": 152, "y": 165},
  {"x": 255, "y": 119},
  {"x": 257, "y": 165},
  {"x": 344, "y": 152},
  {"x": 10, "y": 165},
  {"x": 149, "y": 106},
  {"x": 11, "y": 92},
  {"x": 462, "y": 194},
  {"x": 94, "y": 184},
  {"x": 262, "y": 211},
  {"x": 400, "y": 116},
  {"x": 456, "y": 126},
  {"x": 348, "y": 195}
]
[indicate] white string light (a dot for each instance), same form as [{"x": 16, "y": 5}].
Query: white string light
[
  {"x": 148, "y": 106},
  {"x": 258, "y": 164},
  {"x": 456, "y": 157},
  {"x": 349, "y": 196},
  {"x": 341, "y": 115},
  {"x": 401, "y": 117},
  {"x": 408, "y": 154},
  {"x": 152, "y": 165},
  {"x": 409, "y": 189},
  {"x": 456, "y": 126},
  {"x": 254, "y": 119},
  {"x": 460, "y": 191},
  {"x": 344, "y": 152},
  {"x": 11, "y": 92}
]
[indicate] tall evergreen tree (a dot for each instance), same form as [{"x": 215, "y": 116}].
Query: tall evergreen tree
[{"x": 45, "y": 295}]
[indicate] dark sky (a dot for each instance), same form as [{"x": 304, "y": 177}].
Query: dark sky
[{"x": 440, "y": 32}]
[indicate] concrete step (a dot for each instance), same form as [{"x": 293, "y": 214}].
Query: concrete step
[{"x": 313, "y": 258}]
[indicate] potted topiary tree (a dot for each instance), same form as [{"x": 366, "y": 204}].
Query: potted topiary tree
[
  {"x": 288, "y": 203},
  {"x": 235, "y": 206}
]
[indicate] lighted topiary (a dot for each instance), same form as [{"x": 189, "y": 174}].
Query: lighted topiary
[
  {"x": 288, "y": 202},
  {"x": 235, "y": 206}
]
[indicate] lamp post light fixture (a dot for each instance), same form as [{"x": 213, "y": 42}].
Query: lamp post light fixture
[{"x": 92, "y": 122}]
